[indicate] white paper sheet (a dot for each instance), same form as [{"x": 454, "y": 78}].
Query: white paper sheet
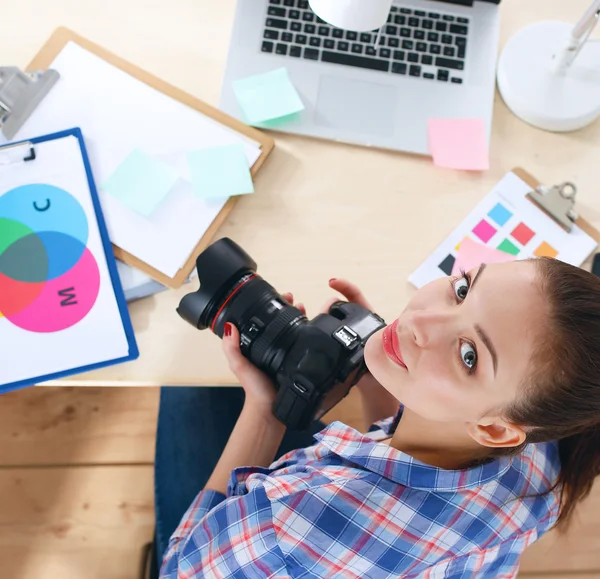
[
  {"x": 118, "y": 113},
  {"x": 99, "y": 336}
]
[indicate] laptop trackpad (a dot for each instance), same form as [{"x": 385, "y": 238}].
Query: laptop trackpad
[{"x": 355, "y": 105}]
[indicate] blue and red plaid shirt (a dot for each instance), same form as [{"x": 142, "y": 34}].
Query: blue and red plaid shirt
[{"x": 349, "y": 507}]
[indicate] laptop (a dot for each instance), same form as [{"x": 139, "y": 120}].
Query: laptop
[{"x": 432, "y": 59}]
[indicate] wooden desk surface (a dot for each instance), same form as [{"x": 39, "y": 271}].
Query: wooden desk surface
[{"x": 321, "y": 209}]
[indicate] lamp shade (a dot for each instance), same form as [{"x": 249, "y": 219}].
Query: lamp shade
[{"x": 358, "y": 15}]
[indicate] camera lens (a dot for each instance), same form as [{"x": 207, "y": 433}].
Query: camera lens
[
  {"x": 223, "y": 268},
  {"x": 232, "y": 291}
]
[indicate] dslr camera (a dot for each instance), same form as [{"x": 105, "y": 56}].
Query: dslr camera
[{"x": 313, "y": 363}]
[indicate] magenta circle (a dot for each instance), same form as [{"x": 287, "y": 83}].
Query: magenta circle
[{"x": 64, "y": 301}]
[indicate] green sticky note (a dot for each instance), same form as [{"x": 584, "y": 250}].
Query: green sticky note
[
  {"x": 268, "y": 96},
  {"x": 220, "y": 172},
  {"x": 141, "y": 182}
]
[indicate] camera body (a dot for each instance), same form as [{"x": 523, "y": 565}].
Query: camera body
[{"x": 313, "y": 363}]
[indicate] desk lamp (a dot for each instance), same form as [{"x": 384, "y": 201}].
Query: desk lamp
[
  {"x": 357, "y": 15},
  {"x": 549, "y": 73}
]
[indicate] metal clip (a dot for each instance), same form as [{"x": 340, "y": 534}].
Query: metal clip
[
  {"x": 20, "y": 94},
  {"x": 558, "y": 202},
  {"x": 17, "y": 153}
]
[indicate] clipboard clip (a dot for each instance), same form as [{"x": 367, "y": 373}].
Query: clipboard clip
[
  {"x": 17, "y": 153},
  {"x": 558, "y": 202},
  {"x": 20, "y": 94}
]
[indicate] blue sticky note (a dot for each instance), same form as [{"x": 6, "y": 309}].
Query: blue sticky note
[
  {"x": 220, "y": 172},
  {"x": 268, "y": 96},
  {"x": 500, "y": 214},
  {"x": 141, "y": 182}
]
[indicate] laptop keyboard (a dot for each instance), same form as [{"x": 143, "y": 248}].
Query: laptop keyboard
[{"x": 416, "y": 43}]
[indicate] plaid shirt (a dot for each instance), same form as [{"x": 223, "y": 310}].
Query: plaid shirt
[{"x": 353, "y": 508}]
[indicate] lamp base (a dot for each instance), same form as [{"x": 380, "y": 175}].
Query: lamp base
[{"x": 533, "y": 89}]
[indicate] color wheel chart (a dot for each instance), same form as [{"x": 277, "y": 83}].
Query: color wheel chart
[
  {"x": 49, "y": 279},
  {"x": 506, "y": 220}
]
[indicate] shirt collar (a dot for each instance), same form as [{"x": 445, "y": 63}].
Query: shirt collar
[{"x": 401, "y": 468}]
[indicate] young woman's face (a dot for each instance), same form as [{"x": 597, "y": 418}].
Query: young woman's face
[{"x": 460, "y": 349}]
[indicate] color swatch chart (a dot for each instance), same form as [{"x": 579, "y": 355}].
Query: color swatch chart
[{"x": 508, "y": 221}]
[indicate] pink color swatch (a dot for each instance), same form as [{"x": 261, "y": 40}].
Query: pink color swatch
[
  {"x": 459, "y": 144},
  {"x": 484, "y": 231},
  {"x": 473, "y": 254}
]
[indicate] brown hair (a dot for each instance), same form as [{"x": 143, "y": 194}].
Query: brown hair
[{"x": 561, "y": 399}]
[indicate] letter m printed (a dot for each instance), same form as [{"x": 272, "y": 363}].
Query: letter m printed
[{"x": 69, "y": 295}]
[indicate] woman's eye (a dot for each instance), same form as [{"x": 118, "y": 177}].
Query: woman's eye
[
  {"x": 468, "y": 355},
  {"x": 461, "y": 288}
]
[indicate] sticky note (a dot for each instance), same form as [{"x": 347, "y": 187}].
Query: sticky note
[
  {"x": 459, "y": 144},
  {"x": 268, "y": 96},
  {"x": 220, "y": 172},
  {"x": 473, "y": 254},
  {"x": 141, "y": 182}
]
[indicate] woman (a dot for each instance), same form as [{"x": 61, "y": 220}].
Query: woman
[{"x": 496, "y": 440}]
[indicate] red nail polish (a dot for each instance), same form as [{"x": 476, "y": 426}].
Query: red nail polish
[{"x": 227, "y": 330}]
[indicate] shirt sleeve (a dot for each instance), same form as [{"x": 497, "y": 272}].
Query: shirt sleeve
[
  {"x": 235, "y": 538},
  {"x": 204, "y": 502}
]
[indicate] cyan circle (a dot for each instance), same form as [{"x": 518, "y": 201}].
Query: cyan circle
[{"x": 43, "y": 207}]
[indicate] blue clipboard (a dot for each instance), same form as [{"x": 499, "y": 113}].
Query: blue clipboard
[{"x": 30, "y": 156}]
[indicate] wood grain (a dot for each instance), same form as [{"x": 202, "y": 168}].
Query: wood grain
[
  {"x": 42, "y": 426},
  {"x": 559, "y": 575},
  {"x": 578, "y": 550},
  {"x": 84, "y": 523}
]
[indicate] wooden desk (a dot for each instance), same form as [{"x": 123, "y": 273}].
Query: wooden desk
[{"x": 321, "y": 209}]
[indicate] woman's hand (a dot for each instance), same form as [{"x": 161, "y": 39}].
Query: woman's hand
[
  {"x": 259, "y": 388},
  {"x": 349, "y": 290}
]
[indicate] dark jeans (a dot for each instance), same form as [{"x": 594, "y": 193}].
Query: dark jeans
[{"x": 194, "y": 425}]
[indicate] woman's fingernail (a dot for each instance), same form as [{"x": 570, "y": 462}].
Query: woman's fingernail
[
  {"x": 332, "y": 279},
  {"x": 227, "y": 329}
]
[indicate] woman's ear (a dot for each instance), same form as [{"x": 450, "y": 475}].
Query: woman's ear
[{"x": 497, "y": 434}]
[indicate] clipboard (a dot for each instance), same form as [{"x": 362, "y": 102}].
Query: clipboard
[
  {"x": 53, "y": 48},
  {"x": 58, "y": 273},
  {"x": 579, "y": 221}
]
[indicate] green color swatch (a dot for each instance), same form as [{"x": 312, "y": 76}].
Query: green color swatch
[{"x": 509, "y": 247}]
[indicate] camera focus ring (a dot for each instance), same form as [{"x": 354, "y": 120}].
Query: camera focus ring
[{"x": 264, "y": 342}]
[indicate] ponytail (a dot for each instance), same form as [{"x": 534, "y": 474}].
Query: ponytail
[
  {"x": 560, "y": 399},
  {"x": 580, "y": 464}
]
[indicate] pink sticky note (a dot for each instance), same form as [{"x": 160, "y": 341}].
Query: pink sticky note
[
  {"x": 459, "y": 144},
  {"x": 472, "y": 254}
]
